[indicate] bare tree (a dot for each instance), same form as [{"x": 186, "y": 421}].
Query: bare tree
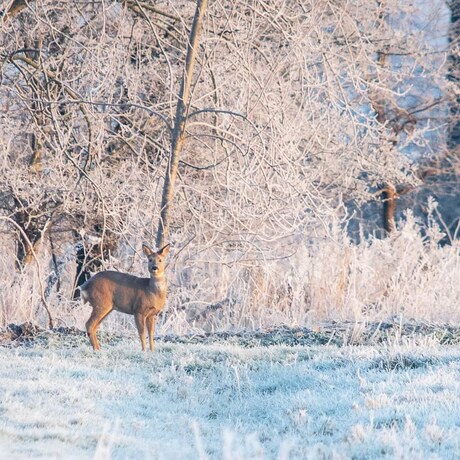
[{"x": 178, "y": 132}]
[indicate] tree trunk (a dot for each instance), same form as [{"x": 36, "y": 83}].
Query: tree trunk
[
  {"x": 83, "y": 273},
  {"x": 34, "y": 256},
  {"x": 389, "y": 197},
  {"x": 179, "y": 125},
  {"x": 379, "y": 105},
  {"x": 454, "y": 73},
  {"x": 29, "y": 238},
  {"x": 14, "y": 8}
]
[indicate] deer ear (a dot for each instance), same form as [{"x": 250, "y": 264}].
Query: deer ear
[
  {"x": 164, "y": 250},
  {"x": 147, "y": 251}
]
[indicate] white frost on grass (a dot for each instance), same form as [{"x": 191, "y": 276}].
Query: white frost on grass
[{"x": 222, "y": 401}]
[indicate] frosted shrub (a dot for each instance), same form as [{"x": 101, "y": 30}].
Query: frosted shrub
[{"x": 407, "y": 275}]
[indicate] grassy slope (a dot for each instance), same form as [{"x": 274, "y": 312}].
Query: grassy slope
[{"x": 225, "y": 401}]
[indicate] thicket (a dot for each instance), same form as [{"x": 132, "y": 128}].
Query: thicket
[{"x": 300, "y": 113}]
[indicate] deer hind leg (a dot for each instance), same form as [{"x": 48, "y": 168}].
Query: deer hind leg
[
  {"x": 151, "y": 330},
  {"x": 140, "y": 324},
  {"x": 97, "y": 315}
]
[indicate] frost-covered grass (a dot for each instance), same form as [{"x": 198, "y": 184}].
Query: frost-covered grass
[
  {"x": 224, "y": 401},
  {"x": 328, "y": 279}
]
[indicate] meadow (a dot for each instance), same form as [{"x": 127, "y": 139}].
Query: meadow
[{"x": 228, "y": 400}]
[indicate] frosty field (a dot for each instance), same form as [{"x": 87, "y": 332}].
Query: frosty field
[{"x": 225, "y": 401}]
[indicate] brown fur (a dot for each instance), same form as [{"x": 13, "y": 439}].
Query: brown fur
[{"x": 142, "y": 297}]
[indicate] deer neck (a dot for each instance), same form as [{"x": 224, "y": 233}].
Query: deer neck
[{"x": 157, "y": 282}]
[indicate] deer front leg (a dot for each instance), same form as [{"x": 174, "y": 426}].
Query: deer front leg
[
  {"x": 151, "y": 330},
  {"x": 140, "y": 324}
]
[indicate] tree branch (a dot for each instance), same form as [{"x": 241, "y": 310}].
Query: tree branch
[{"x": 42, "y": 291}]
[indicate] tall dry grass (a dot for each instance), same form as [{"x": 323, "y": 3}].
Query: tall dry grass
[{"x": 408, "y": 275}]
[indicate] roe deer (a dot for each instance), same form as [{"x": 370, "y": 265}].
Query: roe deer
[{"x": 142, "y": 297}]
